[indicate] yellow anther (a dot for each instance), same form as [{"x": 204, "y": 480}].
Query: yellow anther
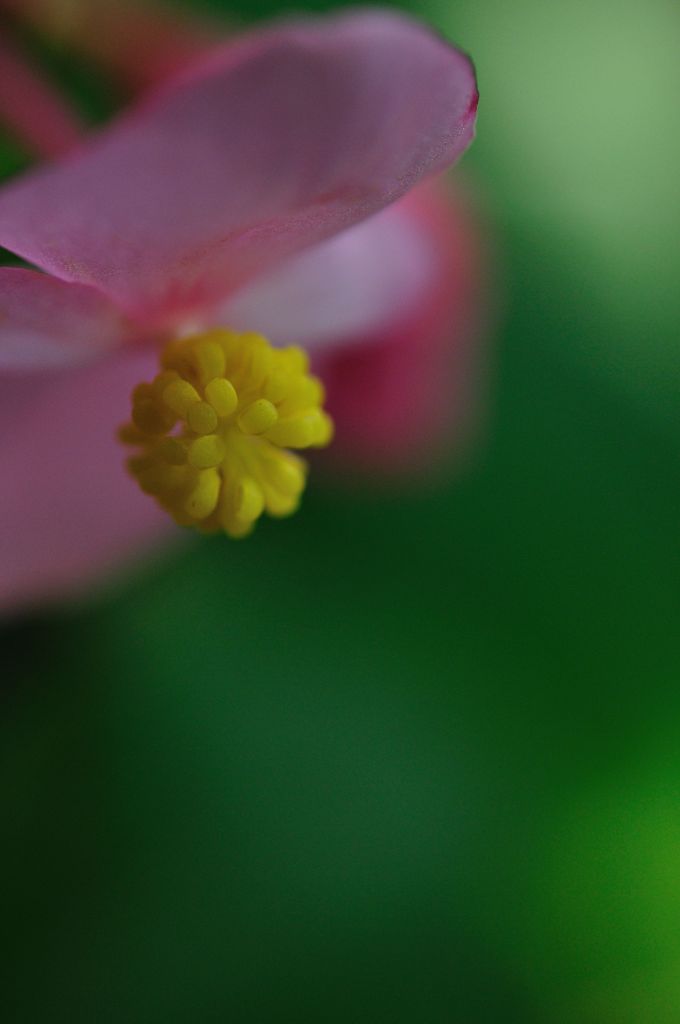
[
  {"x": 276, "y": 386},
  {"x": 298, "y": 431},
  {"x": 130, "y": 434},
  {"x": 233, "y": 526},
  {"x": 202, "y": 418},
  {"x": 141, "y": 392},
  {"x": 296, "y": 360},
  {"x": 249, "y": 500},
  {"x": 325, "y": 431},
  {"x": 154, "y": 476},
  {"x": 258, "y": 417},
  {"x": 160, "y": 383},
  {"x": 258, "y": 361},
  {"x": 210, "y": 360},
  {"x": 139, "y": 466},
  {"x": 177, "y": 360},
  {"x": 180, "y": 395},
  {"x": 279, "y": 504},
  {"x": 287, "y": 474},
  {"x": 203, "y": 497},
  {"x": 173, "y": 451},
  {"x": 221, "y": 394},
  {"x": 211, "y": 430},
  {"x": 148, "y": 418},
  {"x": 307, "y": 393},
  {"x": 207, "y": 452}
]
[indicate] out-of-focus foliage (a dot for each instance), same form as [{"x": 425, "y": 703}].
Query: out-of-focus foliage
[
  {"x": 408, "y": 757},
  {"x": 579, "y": 142}
]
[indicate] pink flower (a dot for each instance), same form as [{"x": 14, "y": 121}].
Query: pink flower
[
  {"x": 141, "y": 41},
  {"x": 31, "y": 109},
  {"x": 248, "y": 192}
]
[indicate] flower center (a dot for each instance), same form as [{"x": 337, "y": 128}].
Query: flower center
[{"x": 213, "y": 427}]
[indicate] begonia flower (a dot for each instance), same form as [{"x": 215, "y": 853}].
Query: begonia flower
[
  {"x": 264, "y": 189},
  {"x": 140, "y": 41},
  {"x": 31, "y": 109}
]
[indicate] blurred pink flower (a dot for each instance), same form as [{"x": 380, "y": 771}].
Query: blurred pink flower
[
  {"x": 32, "y": 110},
  {"x": 255, "y": 190},
  {"x": 140, "y": 41}
]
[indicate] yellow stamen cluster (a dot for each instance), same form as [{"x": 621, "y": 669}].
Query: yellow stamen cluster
[{"x": 213, "y": 428}]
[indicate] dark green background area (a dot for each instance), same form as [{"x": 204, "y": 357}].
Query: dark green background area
[{"x": 410, "y": 756}]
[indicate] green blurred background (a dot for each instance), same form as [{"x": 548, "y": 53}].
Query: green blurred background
[{"x": 411, "y": 760}]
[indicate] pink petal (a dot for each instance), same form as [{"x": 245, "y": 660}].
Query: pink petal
[
  {"x": 351, "y": 286},
  {"x": 406, "y": 395},
  {"x": 273, "y": 144},
  {"x": 47, "y": 323},
  {"x": 33, "y": 110},
  {"x": 69, "y": 511}
]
